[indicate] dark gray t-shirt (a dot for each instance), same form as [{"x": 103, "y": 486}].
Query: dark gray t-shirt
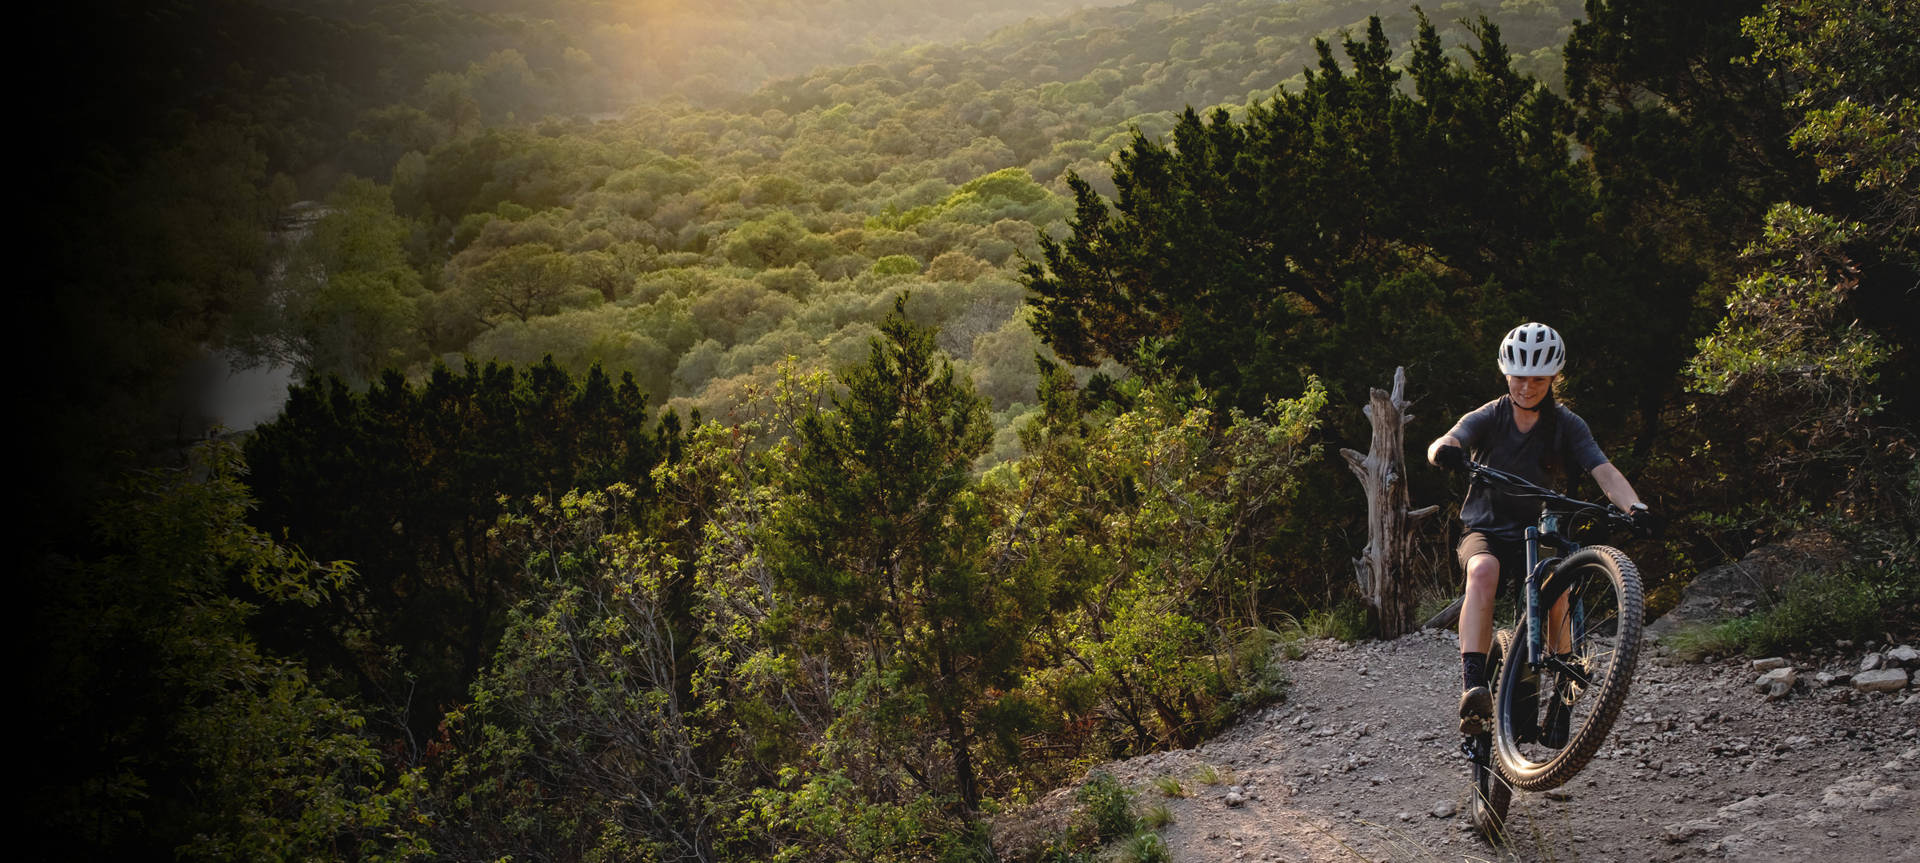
[{"x": 1489, "y": 436}]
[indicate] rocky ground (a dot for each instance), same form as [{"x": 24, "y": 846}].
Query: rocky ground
[{"x": 1361, "y": 763}]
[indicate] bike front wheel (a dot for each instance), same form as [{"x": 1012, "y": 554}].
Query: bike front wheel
[{"x": 1592, "y": 607}]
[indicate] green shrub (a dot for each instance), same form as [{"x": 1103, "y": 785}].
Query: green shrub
[
  {"x": 1866, "y": 602},
  {"x": 969, "y": 845},
  {"x": 1346, "y": 622},
  {"x": 1107, "y": 806},
  {"x": 1434, "y": 599},
  {"x": 1145, "y": 848},
  {"x": 1259, "y": 678},
  {"x": 1699, "y": 641}
]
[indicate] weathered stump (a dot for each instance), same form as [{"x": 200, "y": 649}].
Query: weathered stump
[{"x": 1382, "y": 569}]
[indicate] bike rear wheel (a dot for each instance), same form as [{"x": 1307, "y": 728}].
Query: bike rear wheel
[
  {"x": 1491, "y": 793},
  {"x": 1581, "y": 689}
]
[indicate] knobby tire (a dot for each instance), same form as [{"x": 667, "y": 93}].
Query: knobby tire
[{"x": 1609, "y": 642}]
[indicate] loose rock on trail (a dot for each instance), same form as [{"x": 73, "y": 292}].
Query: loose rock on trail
[{"x": 1361, "y": 763}]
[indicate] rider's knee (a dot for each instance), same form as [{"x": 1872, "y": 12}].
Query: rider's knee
[{"x": 1483, "y": 575}]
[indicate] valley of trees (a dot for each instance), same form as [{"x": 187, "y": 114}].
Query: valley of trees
[{"x": 723, "y": 436}]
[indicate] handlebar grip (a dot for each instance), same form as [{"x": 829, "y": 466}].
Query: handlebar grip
[{"x": 1646, "y": 525}]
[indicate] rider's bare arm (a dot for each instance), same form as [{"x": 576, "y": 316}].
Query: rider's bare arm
[{"x": 1615, "y": 484}]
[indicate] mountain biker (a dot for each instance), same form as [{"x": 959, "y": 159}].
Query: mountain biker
[{"x": 1527, "y": 433}]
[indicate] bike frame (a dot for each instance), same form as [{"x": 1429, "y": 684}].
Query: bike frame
[
  {"x": 1538, "y": 572},
  {"x": 1557, "y": 510}
]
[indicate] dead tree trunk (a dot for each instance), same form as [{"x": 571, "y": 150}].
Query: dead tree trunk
[{"x": 1382, "y": 569}]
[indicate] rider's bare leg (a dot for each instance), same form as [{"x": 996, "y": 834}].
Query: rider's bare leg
[
  {"x": 1476, "y": 635},
  {"x": 1476, "y": 609}
]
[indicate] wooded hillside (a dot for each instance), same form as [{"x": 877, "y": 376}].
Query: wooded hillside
[{"x": 719, "y": 446}]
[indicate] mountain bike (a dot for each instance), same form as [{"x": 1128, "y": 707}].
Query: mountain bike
[{"x": 1559, "y": 673}]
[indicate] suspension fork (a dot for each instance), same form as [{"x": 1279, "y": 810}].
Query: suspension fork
[{"x": 1537, "y": 569}]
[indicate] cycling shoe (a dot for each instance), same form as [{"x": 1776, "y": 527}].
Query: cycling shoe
[{"x": 1476, "y": 711}]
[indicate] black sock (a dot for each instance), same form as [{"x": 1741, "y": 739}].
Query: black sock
[{"x": 1473, "y": 670}]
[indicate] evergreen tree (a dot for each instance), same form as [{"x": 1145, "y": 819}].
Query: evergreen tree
[
  {"x": 407, "y": 481},
  {"x": 885, "y": 535},
  {"x": 1350, "y": 227},
  {"x": 1687, "y": 139}
]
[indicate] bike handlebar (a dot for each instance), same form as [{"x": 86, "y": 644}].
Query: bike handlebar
[{"x": 1554, "y": 501}]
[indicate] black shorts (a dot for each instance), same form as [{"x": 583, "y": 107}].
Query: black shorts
[{"x": 1512, "y": 554}]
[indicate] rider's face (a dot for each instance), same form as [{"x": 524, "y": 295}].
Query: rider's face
[{"x": 1527, "y": 391}]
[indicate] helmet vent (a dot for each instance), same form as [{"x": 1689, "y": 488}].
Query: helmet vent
[{"x": 1532, "y": 349}]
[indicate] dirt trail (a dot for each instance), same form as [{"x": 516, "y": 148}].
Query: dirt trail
[{"x": 1360, "y": 763}]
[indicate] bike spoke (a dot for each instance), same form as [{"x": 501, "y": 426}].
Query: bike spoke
[{"x": 1574, "y": 672}]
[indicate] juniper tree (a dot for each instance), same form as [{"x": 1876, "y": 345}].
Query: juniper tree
[{"x": 885, "y": 538}]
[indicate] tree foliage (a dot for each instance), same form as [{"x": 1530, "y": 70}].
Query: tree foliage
[
  {"x": 1211, "y": 252},
  {"x": 833, "y": 625},
  {"x": 819, "y": 173},
  {"x": 407, "y": 480},
  {"x": 887, "y": 536},
  {"x": 164, "y": 727},
  {"x": 1798, "y": 343},
  {"x": 350, "y": 295},
  {"x": 1159, "y": 519}
]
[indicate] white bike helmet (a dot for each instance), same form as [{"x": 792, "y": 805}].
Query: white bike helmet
[{"x": 1532, "y": 349}]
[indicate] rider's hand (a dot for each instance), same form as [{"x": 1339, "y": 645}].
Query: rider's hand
[
  {"x": 1450, "y": 457},
  {"x": 1645, "y": 523}
]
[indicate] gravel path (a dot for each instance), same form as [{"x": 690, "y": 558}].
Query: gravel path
[{"x": 1360, "y": 763}]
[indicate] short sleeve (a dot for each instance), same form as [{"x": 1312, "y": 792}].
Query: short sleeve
[
  {"x": 1580, "y": 443},
  {"x": 1471, "y": 430}
]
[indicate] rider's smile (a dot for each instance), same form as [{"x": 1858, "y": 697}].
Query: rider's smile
[{"x": 1527, "y": 390}]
